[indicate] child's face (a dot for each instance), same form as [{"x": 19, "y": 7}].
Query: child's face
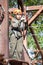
[{"x": 18, "y": 16}]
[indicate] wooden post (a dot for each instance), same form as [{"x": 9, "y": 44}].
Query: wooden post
[
  {"x": 35, "y": 15},
  {"x": 4, "y": 31}
]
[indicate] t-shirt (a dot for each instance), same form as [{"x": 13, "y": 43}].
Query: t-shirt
[{"x": 19, "y": 23}]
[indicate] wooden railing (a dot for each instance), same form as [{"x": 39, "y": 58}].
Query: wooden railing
[{"x": 17, "y": 62}]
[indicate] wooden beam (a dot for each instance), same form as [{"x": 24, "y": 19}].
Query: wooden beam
[
  {"x": 17, "y": 62},
  {"x": 36, "y": 61},
  {"x": 4, "y": 46},
  {"x": 12, "y": 9},
  {"x": 35, "y": 15},
  {"x": 28, "y": 8},
  {"x": 38, "y": 50}
]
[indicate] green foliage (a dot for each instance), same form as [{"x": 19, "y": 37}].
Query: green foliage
[
  {"x": 38, "y": 29},
  {"x": 30, "y": 41},
  {"x": 12, "y": 3},
  {"x": 33, "y": 2}
]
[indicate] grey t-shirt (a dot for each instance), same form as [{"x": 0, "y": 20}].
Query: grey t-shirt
[
  {"x": 15, "y": 22},
  {"x": 18, "y": 23}
]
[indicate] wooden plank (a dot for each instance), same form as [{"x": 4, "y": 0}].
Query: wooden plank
[
  {"x": 28, "y": 8},
  {"x": 38, "y": 50},
  {"x": 17, "y": 62},
  {"x": 37, "y": 7},
  {"x": 4, "y": 31},
  {"x": 36, "y": 61},
  {"x": 35, "y": 15},
  {"x": 12, "y": 9}
]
